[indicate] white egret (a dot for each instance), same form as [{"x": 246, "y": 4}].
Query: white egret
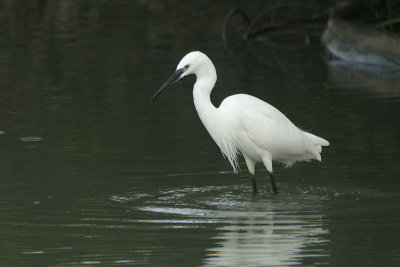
[{"x": 245, "y": 124}]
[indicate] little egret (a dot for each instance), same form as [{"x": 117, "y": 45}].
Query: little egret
[{"x": 245, "y": 124}]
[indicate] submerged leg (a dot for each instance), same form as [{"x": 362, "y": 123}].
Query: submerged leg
[
  {"x": 254, "y": 186},
  {"x": 250, "y": 165},
  {"x": 274, "y": 189},
  {"x": 267, "y": 160}
]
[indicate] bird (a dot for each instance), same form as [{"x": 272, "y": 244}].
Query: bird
[{"x": 244, "y": 124}]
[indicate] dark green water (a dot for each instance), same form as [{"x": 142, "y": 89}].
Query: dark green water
[{"x": 91, "y": 173}]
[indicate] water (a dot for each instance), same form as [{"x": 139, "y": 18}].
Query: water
[{"x": 92, "y": 173}]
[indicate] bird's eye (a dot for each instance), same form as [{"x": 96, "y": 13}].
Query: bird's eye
[{"x": 186, "y": 67}]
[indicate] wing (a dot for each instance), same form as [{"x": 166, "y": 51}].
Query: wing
[{"x": 270, "y": 130}]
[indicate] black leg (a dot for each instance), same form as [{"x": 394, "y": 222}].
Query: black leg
[
  {"x": 254, "y": 186},
  {"x": 274, "y": 189}
]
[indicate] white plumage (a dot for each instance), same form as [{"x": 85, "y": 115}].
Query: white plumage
[{"x": 245, "y": 124}]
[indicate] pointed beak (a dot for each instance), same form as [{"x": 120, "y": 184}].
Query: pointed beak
[{"x": 174, "y": 77}]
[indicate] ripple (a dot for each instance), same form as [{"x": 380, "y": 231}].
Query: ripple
[
  {"x": 90, "y": 262},
  {"x": 180, "y": 211},
  {"x": 125, "y": 199},
  {"x": 33, "y": 252},
  {"x": 251, "y": 233},
  {"x": 31, "y": 139}
]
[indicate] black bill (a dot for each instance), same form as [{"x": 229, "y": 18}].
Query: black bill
[{"x": 174, "y": 77}]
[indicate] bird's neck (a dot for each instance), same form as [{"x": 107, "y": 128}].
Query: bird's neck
[
  {"x": 201, "y": 97},
  {"x": 208, "y": 113},
  {"x": 213, "y": 119}
]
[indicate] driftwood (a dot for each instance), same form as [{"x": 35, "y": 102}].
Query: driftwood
[
  {"x": 265, "y": 28},
  {"x": 342, "y": 36},
  {"x": 360, "y": 44}
]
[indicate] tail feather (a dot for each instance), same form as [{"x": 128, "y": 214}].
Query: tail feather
[
  {"x": 318, "y": 148},
  {"x": 313, "y": 149},
  {"x": 317, "y": 140},
  {"x": 318, "y": 143}
]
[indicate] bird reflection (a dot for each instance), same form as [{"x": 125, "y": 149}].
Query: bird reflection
[{"x": 257, "y": 239}]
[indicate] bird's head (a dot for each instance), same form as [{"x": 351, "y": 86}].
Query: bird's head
[{"x": 192, "y": 63}]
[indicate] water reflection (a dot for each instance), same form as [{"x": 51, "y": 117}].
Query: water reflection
[
  {"x": 376, "y": 81},
  {"x": 248, "y": 233},
  {"x": 256, "y": 239}
]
